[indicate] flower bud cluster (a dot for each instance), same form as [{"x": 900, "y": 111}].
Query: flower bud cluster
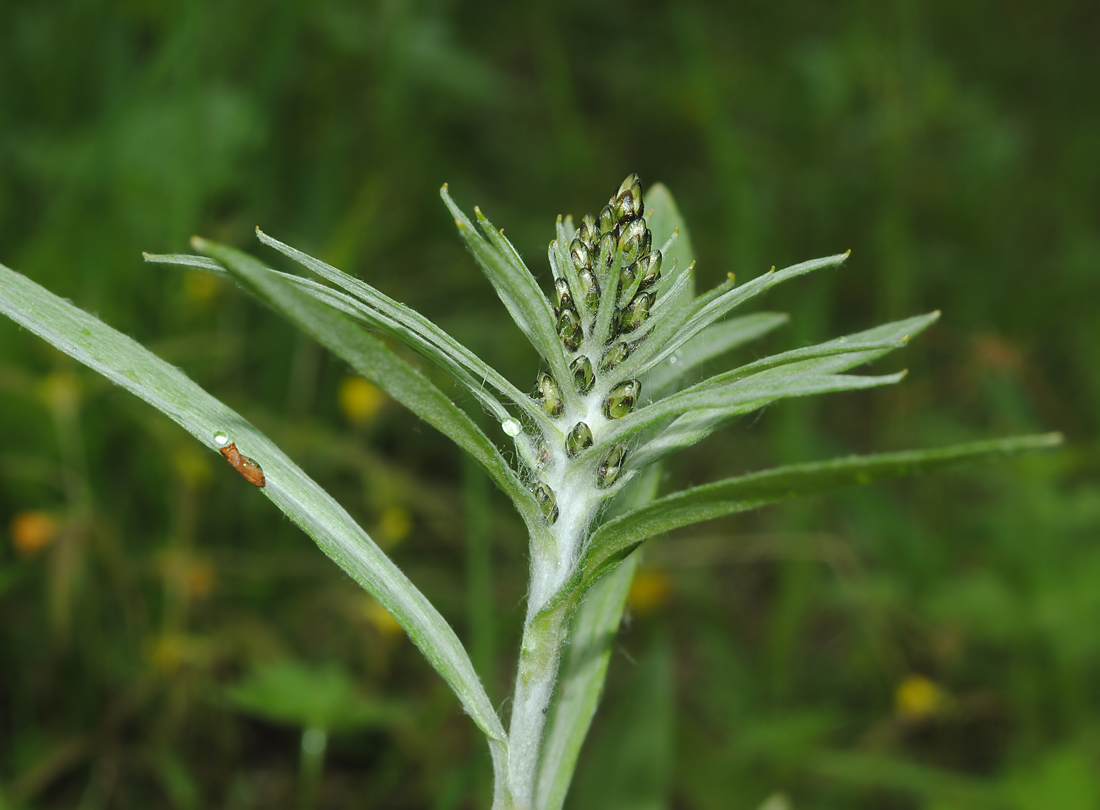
[{"x": 601, "y": 302}]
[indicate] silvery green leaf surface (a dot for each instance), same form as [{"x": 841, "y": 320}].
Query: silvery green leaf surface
[
  {"x": 390, "y": 318},
  {"x": 409, "y": 326},
  {"x": 380, "y": 365},
  {"x": 712, "y": 342},
  {"x": 665, "y": 223},
  {"x": 128, "y": 364},
  {"x": 616, "y": 538},
  {"x": 693, "y": 426},
  {"x": 676, "y": 330},
  {"x": 738, "y": 398},
  {"x": 826, "y": 364},
  {"x": 517, "y": 288}
]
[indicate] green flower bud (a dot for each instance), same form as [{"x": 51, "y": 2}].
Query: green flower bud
[
  {"x": 620, "y": 402},
  {"x": 634, "y": 241},
  {"x": 588, "y": 233},
  {"x": 606, "y": 253},
  {"x": 561, "y": 290},
  {"x": 636, "y": 312},
  {"x": 569, "y": 329},
  {"x": 606, "y": 221},
  {"x": 578, "y": 254},
  {"x": 628, "y": 204},
  {"x": 590, "y": 289},
  {"x": 627, "y": 276},
  {"x": 547, "y": 503},
  {"x": 614, "y": 356},
  {"x": 608, "y": 470},
  {"x": 580, "y": 438},
  {"x": 548, "y": 394},
  {"x": 583, "y": 376},
  {"x": 649, "y": 268}
]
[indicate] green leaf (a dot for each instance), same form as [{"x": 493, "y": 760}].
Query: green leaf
[
  {"x": 712, "y": 342},
  {"x": 463, "y": 365},
  {"x": 414, "y": 330},
  {"x": 166, "y": 388},
  {"x": 694, "y": 426},
  {"x": 618, "y": 537},
  {"x": 897, "y": 332},
  {"x": 665, "y": 223},
  {"x": 319, "y": 696},
  {"x": 734, "y": 399},
  {"x": 515, "y": 285},
  {"x": 673, "y": 332},
  {"x": 380, "y": 365}
]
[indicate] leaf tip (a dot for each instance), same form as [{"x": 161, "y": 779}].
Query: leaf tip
[
  {"x": 936, "y": 314},
  {"x": 198, "y": 243},
  {"x": 145, "y": 255},
  {"x": 847, "y": 253}
]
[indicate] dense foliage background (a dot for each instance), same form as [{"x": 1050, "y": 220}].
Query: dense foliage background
[{"x": 933, "y": 644}]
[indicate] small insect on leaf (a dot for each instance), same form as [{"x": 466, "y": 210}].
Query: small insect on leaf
[{"x": 248, "y": 468}]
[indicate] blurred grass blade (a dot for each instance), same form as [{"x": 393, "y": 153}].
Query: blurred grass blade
[
  {"x": 166, "y": 388},
  {"x": 619, "y": 536},
  {"x": 380, "y": 365},
  {"x": 592, "y": 630},
  {"x": 410, "y": 327},
  {"x": 712, "y": 342},
  {"x": 515, "y": 285}
]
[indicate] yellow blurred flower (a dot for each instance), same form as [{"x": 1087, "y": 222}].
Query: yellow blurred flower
[
  {"x": 61, "y": 391},
  {"x": 192, "y": 465},
  {"x": 171, "y": 651},
  {"x": 649, "y": 591},
  {"x": 199, "y": 287},
  {"x": 199, "y": 579},
  {"x": 918, "y": 697},
  {"x": 359, "y": 400},
  {"x": 32, "y": 531},
  {"x": 394, "y": 526},
  {"x": 380, "y": 618}
]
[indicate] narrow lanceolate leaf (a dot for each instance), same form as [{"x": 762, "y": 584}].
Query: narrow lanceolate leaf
[
  {"x": 739, "y": 398},
  {"x": 380, "y": 365},
  {"x": 669, "y": 336},
  {"x": 712, "y": 342},
  {"x": 842, "y": 361},
  {"x": 617, "y": 537},
  {"x": 462, "y": 368},
  {"x": 409, "y": 326},
  {"x": 584, "y": 669},
  {"x": 166, "y": 388},
  {"x": 696, "y": 425},
  {"x": 514, "y": 283}
]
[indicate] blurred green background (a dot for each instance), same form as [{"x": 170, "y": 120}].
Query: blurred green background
[{"x": 931, "y": 644}]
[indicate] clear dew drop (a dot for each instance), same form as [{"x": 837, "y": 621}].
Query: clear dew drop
[
  {"x": 511, "y": 427},
  {"x": 221, "y": 439},
  {"x": 673, "y": 359}
]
